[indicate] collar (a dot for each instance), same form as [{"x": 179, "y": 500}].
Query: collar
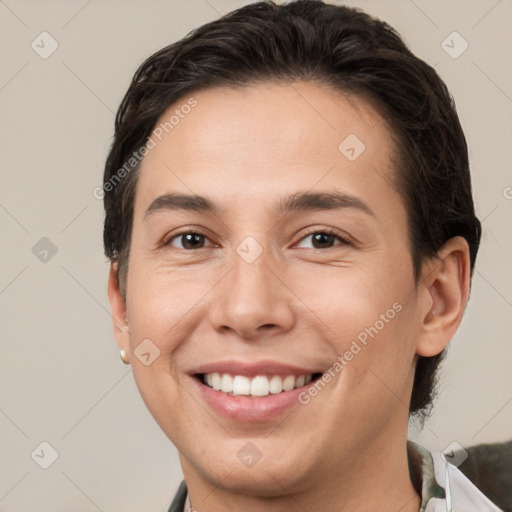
[{"x": 422, "y": 473}]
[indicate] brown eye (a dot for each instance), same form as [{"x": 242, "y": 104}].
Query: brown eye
[
  {"x": 189, "y": 240},
  {"x": 325, "y": 239}
]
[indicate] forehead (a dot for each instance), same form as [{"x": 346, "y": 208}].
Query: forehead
[{"x": 270, "y": 138}]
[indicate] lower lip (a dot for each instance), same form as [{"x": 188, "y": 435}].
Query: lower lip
[{"x": 251, "y": 410}]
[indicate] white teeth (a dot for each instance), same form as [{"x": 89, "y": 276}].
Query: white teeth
[
  {"x": 288, "y": 383},
  {"x": 258, "y": 386},
  {"x": 216, "y": 381},
  {"x": 241, "y": 385},
  {"x": 276, "y": 384},
  {"x": 226, "y": 383}
]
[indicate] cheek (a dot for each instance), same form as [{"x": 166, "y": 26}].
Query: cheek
[
  {"x": 368, "y": 318},
  {"x": 162, "y": 301},
  {"x": 349, "y": 300}
]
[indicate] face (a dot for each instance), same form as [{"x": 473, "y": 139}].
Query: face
[{"x": 275, "y": 284}]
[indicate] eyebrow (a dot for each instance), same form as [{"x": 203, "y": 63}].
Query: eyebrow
[{"x": 299, "y": 201}]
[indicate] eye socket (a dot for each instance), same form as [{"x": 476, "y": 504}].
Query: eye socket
[
  {"x": 191, "y": 238},
  {"x": 331, "y": 233}
]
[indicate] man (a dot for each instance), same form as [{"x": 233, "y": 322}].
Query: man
[{"x": 292, "y": 235}]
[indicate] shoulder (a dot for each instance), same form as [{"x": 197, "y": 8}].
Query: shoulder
[
  {"x": 476, "y": 478},
  {"x": 489, "y": 467}
]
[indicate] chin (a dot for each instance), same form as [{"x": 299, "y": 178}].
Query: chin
[{"x": 267, "y": 478}]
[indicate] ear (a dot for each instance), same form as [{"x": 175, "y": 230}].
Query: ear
[
  {"x": 118, "y": 307},
  {"x": 444, "y": 295}
]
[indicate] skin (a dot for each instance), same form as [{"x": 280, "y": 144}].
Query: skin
[{"x": 296, "y": 303}]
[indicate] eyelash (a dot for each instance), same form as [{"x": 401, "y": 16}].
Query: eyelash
[{"x": 327, "y": 231}]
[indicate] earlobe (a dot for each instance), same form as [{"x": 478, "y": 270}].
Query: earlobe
[
  {"x": 118, "y": 307},
  {"x": 446, "y": 288}
]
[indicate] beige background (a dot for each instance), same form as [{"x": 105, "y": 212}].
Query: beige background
[{"x": 62, "y": 380}]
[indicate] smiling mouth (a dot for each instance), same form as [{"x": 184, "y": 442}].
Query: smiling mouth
[{"x": 258, "y": 386}]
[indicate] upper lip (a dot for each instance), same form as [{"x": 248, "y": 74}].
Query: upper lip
[{"x": 251, "y": 369}]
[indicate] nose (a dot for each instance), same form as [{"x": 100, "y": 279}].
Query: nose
[{"x": 253, "y": 299}]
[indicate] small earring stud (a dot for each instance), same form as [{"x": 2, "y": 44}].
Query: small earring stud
[{"x": 123, "y": 357}]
